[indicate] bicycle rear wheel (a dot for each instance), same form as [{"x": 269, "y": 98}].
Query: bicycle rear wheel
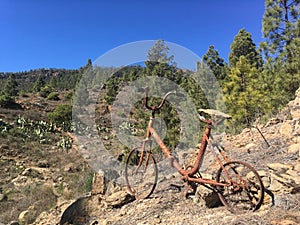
[
  {"x": 141, "y": 176},
  {"x": 245, "y": 190}
]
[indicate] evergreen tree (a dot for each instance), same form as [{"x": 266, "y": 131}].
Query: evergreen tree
[
  {"x": 243, "y": 45},
  {"x": 159, "y": 53},
  {"x": 244, "y": 94},
  {"x": 280, "y": 26},
  {"x": 281, "y": 48},
  {"x": 39, "y": 83},
  {"x": 10, "y": 87},
  {"x": 215, "y": 63},
  {"x": 53, "y": 82}
]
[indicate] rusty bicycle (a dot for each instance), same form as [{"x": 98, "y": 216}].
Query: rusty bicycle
[{"x": 237, "y": 183}]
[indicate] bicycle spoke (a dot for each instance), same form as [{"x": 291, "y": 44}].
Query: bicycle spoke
[{"x": 245, "y": 189}]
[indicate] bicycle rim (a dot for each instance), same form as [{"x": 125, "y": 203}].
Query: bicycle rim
[
  {"x": 141, "y": 180},
  {"x": 245, "y": 190}
]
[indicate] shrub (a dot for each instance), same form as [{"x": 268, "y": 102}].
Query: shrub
[
  {"x": 53, "y": 96},
  {"x": 62, "y": 116},
  {"x": 5, "y": 100},
  {"x": 69, "y": 96},
  {"x": 45, "y": 91},
  {"x": 88, "y": 185}
]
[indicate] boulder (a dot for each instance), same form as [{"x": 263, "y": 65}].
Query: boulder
[
  {"x": 206, "y": 197},
  {"x": 99, "y": 183},
  {"x": 118, "y": 199},
  {"x": 76, "y": 212}
]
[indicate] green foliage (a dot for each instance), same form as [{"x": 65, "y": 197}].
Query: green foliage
[
  {"x": 53, "y": 96},
  {"x": 45, "y": 91},
  {"x": 164, "y": 68},
  {"x": 160, "y": 53},
  {"x": 65, "y": 143},
  {"x": 243, "y": 45},
  {"x": 33, "y": 128},
  {"x": 88, "y": 184},
  {"x": 4, "y": 127},
  {"x": 62, "y": 116},
  {"x": 69, "y": 96},
  {"x": 39, "y": 83},
  {"x": 280, "y": 26},
  {"x": 281, "y": 48},
  {"x": 6, "y": 100},
  {"x": 120, "y": 78},
  {"x": 53, "y": 82},
  {"x": 10, "y": 87},
  {"x": 28, "y": 129},
  {"x": 245, "y": 96},
  {"x": 215, "y": 63}
]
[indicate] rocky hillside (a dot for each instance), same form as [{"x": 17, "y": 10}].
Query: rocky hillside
[{"x": 275, "y": 153}]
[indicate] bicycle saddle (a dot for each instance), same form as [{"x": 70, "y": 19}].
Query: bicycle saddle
[{"x": 215, "y": 113}]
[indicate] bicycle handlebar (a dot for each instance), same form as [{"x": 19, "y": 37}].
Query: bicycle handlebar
[{"x": 155, "y": 108}]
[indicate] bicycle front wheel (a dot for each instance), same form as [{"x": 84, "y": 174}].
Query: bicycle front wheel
[
  {"x": 244, "y": 190},
  {"x": 140, "y": 173}
]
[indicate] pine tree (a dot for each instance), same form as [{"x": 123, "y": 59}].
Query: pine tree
[
  {"x": 39, "y": 83},
  {"x": 280, "y": 26},
  {"x": 53, "y": 82},
  {"x": 160, "y": 53},
  {"x": 215, "y": 63},
  {"x": 281, "y": 48},
  {"x": 10, "y": 87},
  {"x": 243, "y": 45},
  {"x": 245, "y": 97}
]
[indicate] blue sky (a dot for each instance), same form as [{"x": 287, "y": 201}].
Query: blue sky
[{"x": 66, "y": 33}]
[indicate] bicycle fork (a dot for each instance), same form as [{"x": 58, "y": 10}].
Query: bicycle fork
[{"x": 144, "y": 151}]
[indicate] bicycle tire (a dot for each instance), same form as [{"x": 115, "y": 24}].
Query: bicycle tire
[
  {"x": 141, "y": 181},
  {"x": 245, "y": 192}
]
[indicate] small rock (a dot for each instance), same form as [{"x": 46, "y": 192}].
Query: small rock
[
  {"x": 28, "y": 215},
  {"x": 26, "y": 172},
  {"x": 3, "y": 197},
  {"x": 69, "y": 167},
  {"x": 4, "y": 147},
  {"x": 23, "y": 216},
  {"x": 250, "y": 146},
  {"x": 286, "y": 129},
  {"x": 119, "y": 199},
  {"x": 43, "y": 164},
  {"x": 280, "y": 167},
  {"x": 297, "y": 167},
  {"x": 293, "y": 149},
  {"x": 284, "y": 222},
  {"x": 94, "y": 222},
  {"x": 13, "y": 223}
]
